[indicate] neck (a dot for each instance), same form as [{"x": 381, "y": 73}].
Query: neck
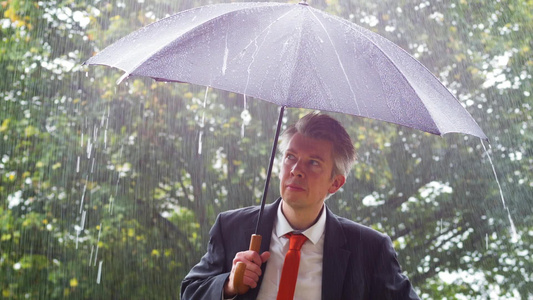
[{"x": 298, "y": 219}]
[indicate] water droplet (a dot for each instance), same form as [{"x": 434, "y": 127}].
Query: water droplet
[
  {"x": 91, "y": 257},
  {"x": 89, "y": 148},
  {"x": 83, "y": 195},
  {"x": 82, "y": 225},
  {"x": 99, "y": 276},
  {"x": 514, "y": 234},
  {"x": 200, "y": 143},
  {"x": 97, "y": 244}
]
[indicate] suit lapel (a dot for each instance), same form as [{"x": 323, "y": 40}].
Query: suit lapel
[
  {"x": 265, "y": 230},
  {"x": 335, "y": 258}
]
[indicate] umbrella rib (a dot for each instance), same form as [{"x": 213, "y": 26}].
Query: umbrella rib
[
  {"x": 406, "y": 78},
  {"x": 294, "y": 69},
  {"x": 338, "y": 60},
  {"x": 142, "y": 61},
  {"x": 350, "y": 26},
  {"x": 226, "y": 53},
  {"x": 128, "y": 73},
  {"x": 249, "y": 68},
  {"x": 254, "y": 41}
]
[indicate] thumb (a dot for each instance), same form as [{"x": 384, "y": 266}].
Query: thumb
[{"x": 265, "y": 256}]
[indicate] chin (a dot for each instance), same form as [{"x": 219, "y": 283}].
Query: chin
[
  {"x": 289, "y": 199},
  {"x": 294, "y": 202}
]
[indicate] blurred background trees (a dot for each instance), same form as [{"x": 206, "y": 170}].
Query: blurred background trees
[{"x": 109, "y": 191}]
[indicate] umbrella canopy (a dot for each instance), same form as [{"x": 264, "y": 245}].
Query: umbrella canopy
[{"x": 295, "y": 56}]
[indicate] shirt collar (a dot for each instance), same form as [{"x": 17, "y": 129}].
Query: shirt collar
[{"x": 312, "y": 233}]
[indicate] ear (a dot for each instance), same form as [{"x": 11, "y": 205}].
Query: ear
[{"x": 338, "y": 182}]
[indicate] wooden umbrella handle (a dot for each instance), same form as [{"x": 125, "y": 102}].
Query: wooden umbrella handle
[{"x": 255, "y": 245}]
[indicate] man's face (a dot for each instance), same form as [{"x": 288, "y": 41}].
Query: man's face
[{"x": 306, "y": 173}]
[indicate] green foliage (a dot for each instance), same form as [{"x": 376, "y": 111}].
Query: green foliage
[{"x": 105, "y": 194}]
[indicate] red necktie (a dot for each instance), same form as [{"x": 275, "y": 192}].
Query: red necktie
[{"x": 289, "y": 274}]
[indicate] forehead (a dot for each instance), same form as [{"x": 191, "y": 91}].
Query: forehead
[{"x": 303, "y": 145}]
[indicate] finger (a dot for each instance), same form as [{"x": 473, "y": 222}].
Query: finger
[
  {"x": 253, "y": 257},
  {"x": 247, "y": 256},
  {"x": 250, "y": 265},
  {"x": 240, "y": 257},
  {"x": 265, "y": 256},
  {"x": 250, "y": 278},
  {"x": 254, "y": 268},
  {"x": 250, "y": 258}
]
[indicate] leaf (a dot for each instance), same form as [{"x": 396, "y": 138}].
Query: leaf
[
  {"x": 5, "y": 125},
  {"x": 30, "y": 131},
  {"x": 73, "y": 282}
]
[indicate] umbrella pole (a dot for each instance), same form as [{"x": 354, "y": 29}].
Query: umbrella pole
[
  {"x": 255, "y": 241},
  {"x": 269, "y": 172}
]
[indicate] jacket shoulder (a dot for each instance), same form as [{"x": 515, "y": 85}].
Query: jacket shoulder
[
  {"x": 357, "y": 231},
  {"x": 245, "y": 211},
  {"x": 238, "y": 218}
]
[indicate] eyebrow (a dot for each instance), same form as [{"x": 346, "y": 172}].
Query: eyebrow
[{"x": 314, "y": 156}]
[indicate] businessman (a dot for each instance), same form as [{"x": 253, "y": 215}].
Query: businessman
[{"x": 307, "y": 251}]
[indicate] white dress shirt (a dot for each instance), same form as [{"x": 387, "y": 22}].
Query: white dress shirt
[{"x": 309, "y": 283}]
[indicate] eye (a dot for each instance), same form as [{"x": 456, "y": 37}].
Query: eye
[
  {"x": 314, "y": 162},
  {"x": 290, "y": 157}
]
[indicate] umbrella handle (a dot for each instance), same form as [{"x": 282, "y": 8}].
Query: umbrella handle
[{"x": 255, "y": 245}]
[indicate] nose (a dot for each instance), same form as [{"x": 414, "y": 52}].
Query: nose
[{"x": 296, "y": 170}]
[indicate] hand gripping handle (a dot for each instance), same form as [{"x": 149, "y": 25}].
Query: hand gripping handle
[{"x": 255, "y": 245}]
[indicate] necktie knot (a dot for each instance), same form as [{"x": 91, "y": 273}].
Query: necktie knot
[{"x": 296, "y": 241}]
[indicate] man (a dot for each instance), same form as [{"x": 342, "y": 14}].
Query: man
[{"x": 340, "y": 259}]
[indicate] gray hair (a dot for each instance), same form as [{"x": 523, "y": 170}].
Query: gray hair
[{"x": 324, "y": 127}]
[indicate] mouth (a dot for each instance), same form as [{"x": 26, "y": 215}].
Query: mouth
[{"x": 293, "y": 187}]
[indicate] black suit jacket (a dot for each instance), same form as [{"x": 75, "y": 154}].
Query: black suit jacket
[{"x": 358, "y": 262}]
